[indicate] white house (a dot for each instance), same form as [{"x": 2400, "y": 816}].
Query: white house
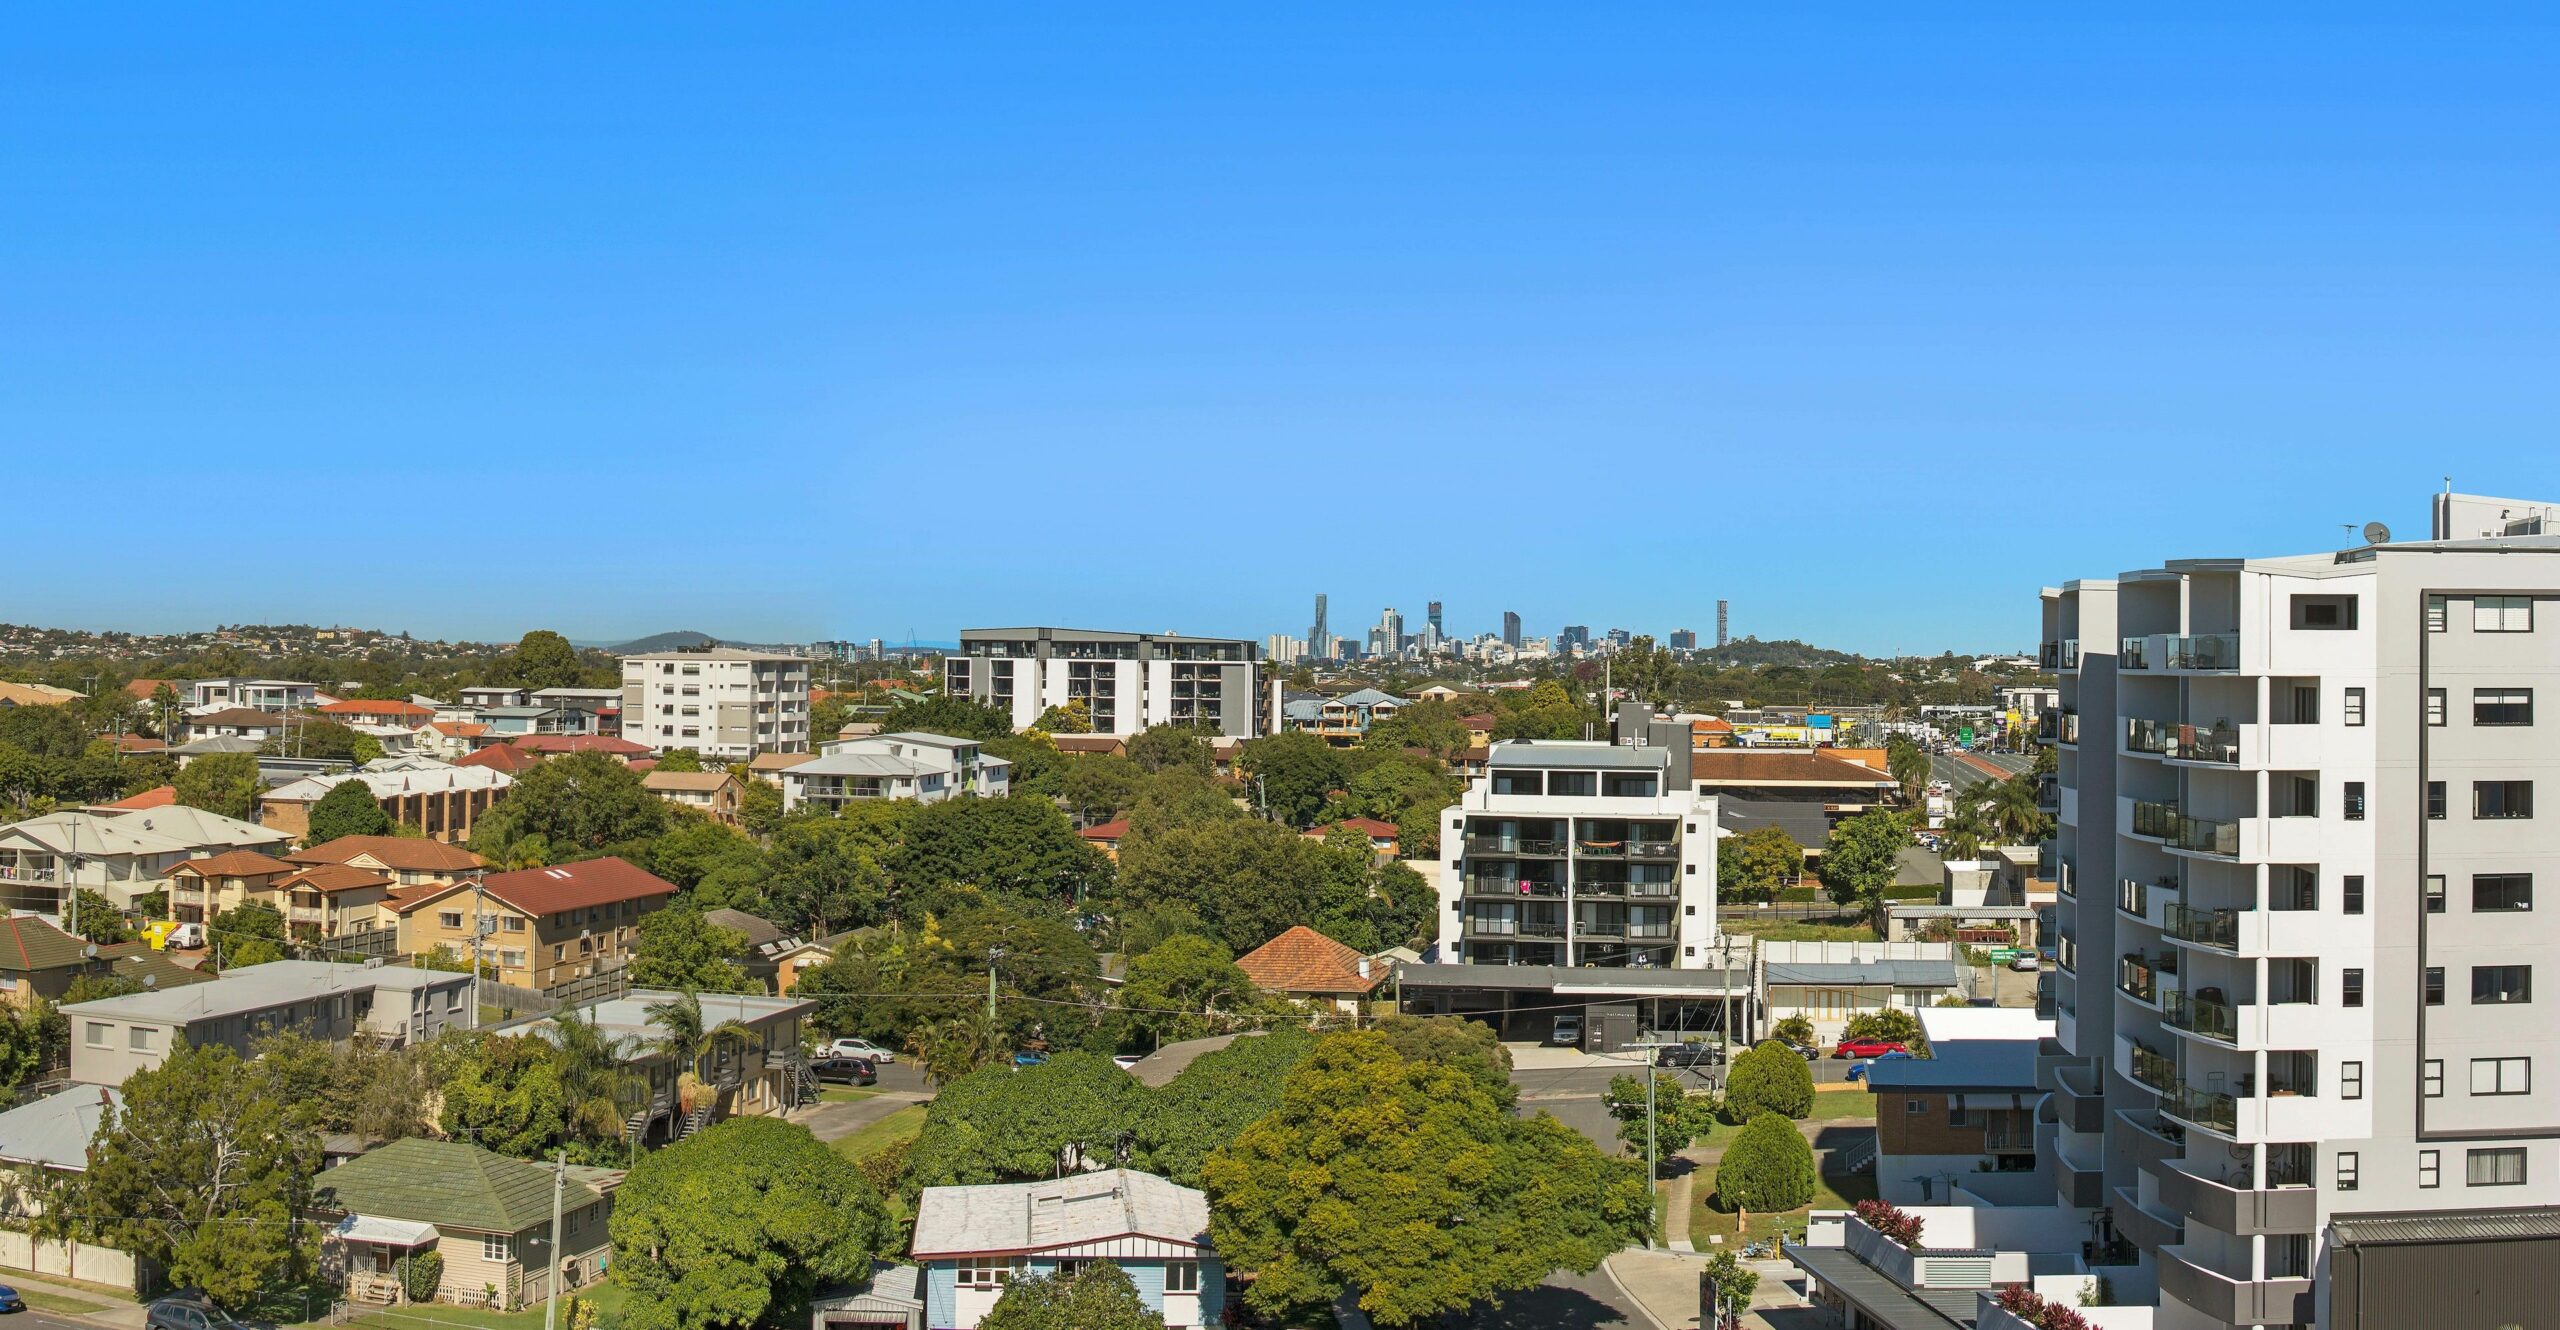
[
  {"x": 927, "y": 768},
  {"x": 972, "y": 1241}
]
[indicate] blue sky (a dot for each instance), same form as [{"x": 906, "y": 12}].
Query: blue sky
[{"x": 800, "y": 322}]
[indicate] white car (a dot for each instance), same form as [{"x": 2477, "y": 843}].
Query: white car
[
  {"x": 861, "y": 1048},
  {"x": 1128, "y": 1061}
]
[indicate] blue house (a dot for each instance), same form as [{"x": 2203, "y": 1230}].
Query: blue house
[{"x": 972, "y": 1241}]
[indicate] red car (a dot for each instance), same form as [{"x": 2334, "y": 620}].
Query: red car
[{"x": 1867, "y": 1048}]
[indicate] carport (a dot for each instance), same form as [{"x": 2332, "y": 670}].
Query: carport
[{"x": 1618, "y": 1006}]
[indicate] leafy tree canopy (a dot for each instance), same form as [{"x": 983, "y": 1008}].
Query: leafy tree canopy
[
  {"x": 1293, "y": 774},
  {"x": 348, "y": 809},
  {"x": 1770, "y": 1078},
  {"x": 953, "y": 716},
  {"x": 1754, "y": 865},
  {"x": 739, "y": 1225},
  {"x": 1768, "y": 1167},
  {"x": 224, "y": 783},
  {"x": 1016, "y": 847},
  {"x": 1212, "y": 1101},
  {"x": 679, "y": 949},
  {"x": 1005, "y": 1124},
  {"x": 1099, "y": 1298},
  {"x": 578, "y": 805},
  {"x": 1861, "y": 857},
  {"x": 1170, "y": 747}
]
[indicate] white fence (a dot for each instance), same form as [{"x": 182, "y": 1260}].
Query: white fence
[{"x": 68, "y": 1260}]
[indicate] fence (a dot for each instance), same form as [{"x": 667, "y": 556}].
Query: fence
[
  {"x": 72, "y": 1260},
  {"x": 603, "y": 987},
  {"x": 376, "y": 943},
  {"x": 512, "y": 1001}
]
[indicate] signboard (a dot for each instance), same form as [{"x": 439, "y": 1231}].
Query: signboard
[
  {"x": 1965, "y": 736},
  {"x": 1819, "y": 722}
]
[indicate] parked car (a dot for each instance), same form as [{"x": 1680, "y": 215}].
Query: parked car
[
  {"x": 182, "y": 1311},
  {"x": 862, "y": 1048},
  {"x": 1858, "y": 1070},
  {"x": 2025, "y": 962},
  {"x": 1806, "y": 1051},
  {"x": 1127, "y": 1061},
  {"x": 10, "y": 1301},
  {"x": 1029, "y": 1058},
  {"x": 1867, "y": 1048},
  {"x": 1567, "y": 1032},
  {"x": 849, "y": 1070},
  {"x": 1695, "y": 1053}
]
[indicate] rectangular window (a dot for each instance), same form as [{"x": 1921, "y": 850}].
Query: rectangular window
[
  {"x": 2502, "y": 800},
  {"x": 2430, "y": 1168},
  {"x": 2502, "y": 706},
  {"x": 1910, "y": 1106},
  {"x": 2501, "y": 985},
  {"x": 2351, "y": 1080},
  {"x": 139, "y": 1038},
  {"x": 2435, "y": 706},
  {"x": 2435, "y": 614},
  {"x": 2434, "y": 986},
  {"x": 2435, "y": 893},
  {"x": 513, "y": 923},
  {"x": 2353, "y": 707},
  {"x": 1956, "y": 1116},
  {"x": 2501, "y": 1075},
  {"x": 448, "y": 918},
  {"x": 1182, "y": 1276},
  {"x": 2354, "y": 801},
  {"x": 2351, "y": 988},
  {"x": 1069, "y": 1267},
  {"x": 2503, "y": 1167},
  {"x": 2347, "y": 1170},
  {"x": 98, "y": 1031},
  {"x": 2502, "y": 614},
  {"x": 2351, "y": 894},
  {"x": 2431, "y": 1078},
  {"x": 2435, "y": 800},
  {"x": 493, "y": 1247},
  {"x": 2493, "y": 893}
]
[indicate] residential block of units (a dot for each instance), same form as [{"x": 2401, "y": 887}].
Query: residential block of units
[
  {"x": 112, "y": 1038},
  {"x": 722, "y": 702},
  {"x": 536, "y": 927},
  {"x": 1127, "y": 681},
  {"x": 927, "y": 768}
]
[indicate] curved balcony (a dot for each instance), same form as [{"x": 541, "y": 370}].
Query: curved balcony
[
  {"x": 2234, "y": 1301},
  {"x": 2143, "y": 1137},
  {"x": 2203, "y": 1017},
  {"x": 2081, "y": 1183},
  {"x": 2078, "y": 1100},
  {"x": 2232, "y": 1206},
  {"x": 2147, "y": 1229}
]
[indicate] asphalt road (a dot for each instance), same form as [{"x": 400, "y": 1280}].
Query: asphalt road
[{"x": 1959, "y": 770}]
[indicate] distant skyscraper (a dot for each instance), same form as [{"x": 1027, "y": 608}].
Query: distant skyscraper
[
  {"x": 1318, "y": 640},
  {"x": 1433, "y": 618},
  {"x": 1511, "y": 628},
  {"x": 1724, "y": 631},
  {"x": 1684, "y": 639},
  {"x": 1573, "y": 635},
  {"x": 1388, "y": 637},
  {"x": 1619, "y": 637}
]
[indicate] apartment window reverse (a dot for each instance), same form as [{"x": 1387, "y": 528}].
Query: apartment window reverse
[
  {"x": 2502, "y": 614},
  {"x": 2351, "y": 893},
  {"x": 2502, "y": 800},
  {"x": 2435, "y": 706},
  {"x": 2433, "y": 986},
  {"x": 2435, "y": 893},
  {"x": 2501, "y": 985},
  {"x": 2352, "y": 709},
  {"x": 2501, "y": 1075},
  {"x": 2503, "y": 1167},
  {"x": 2351, "y": 988},
  {"x": 2347, "y": 1170},
  {"x": 2431, "y": 1078},
  {"x": 2353, "y": 802},
  {"x": 2496, "y": 893},
  {"x": 2435, "y": 800},
  {"x": 2502, "y": 706},
  {"x": 2351, "y": 1080}
]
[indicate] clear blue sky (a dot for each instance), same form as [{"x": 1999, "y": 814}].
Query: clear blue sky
[{"x": 789, "y": 323}]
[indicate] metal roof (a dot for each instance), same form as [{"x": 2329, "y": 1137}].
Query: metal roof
[
  {"x": 54, "y": 1131},
  {"x": 1898, "y": 973},
  {"x": 1882, "y": 1298},
  {"x": 1575, "y": 755},
  {"x": 1065, "y": 1212},
  {"x": 2447, "y": 1226}
]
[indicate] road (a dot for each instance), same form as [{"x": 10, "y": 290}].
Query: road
[{"x": 1959, "y": 770}]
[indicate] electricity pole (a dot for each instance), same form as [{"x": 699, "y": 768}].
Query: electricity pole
[{"x": 559, "y": 1185}]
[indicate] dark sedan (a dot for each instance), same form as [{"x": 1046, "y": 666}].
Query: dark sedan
[
  {"x": 847, "y": 1070},
  {"x": 1698, "y": 1053}
]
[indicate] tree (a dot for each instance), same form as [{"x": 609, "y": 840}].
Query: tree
[
  {"x": 959, "y": 1046},
  {"x": 1178, "y": 798},
  {"x": 1771, "y": 1078},
  {"x": 1292, "y": 774},
  {"x": 947, "y": 715},
  {"x": 1889, "y": 1023},
  {"x": 542, "y": 659},
  {"x": 1797, "y": 1030},
  {"x": 1753, "y": 865},
  {"x": 1452, "y": 1041},
  {"x": 24, "y": 1043},
  {"x": 1248, "y": 881},
  {"x": 1211, "y": 1102},
  {"x": 1006, "y": 1124},
  {"x": 1039, "y": 770},
  {"x": 1410, "y": 1183},
  {"x": 251, "y": 933},
  {"x": 1679, "y": 1116},
  {"x": 1909, "y": 765},
  {"x": 348, "y": 809},
  {"x": 203, "y": 1168},
  {"x": 1184, "y": 989},
  {"x": 1016, "y": 846},
  {"x": 677, "y": 948},
  {"x": 506, "y": 1093},
  {"x": 1734, "y": 1283},
  {"x": 1071, "y": 717},
  {"x": 1171, "y": 747},
  {"x": 1966, "y": 827},
  {"x": 311, "y": 736},
  {"x": 679, "y": 759},
  {"x": 580, "y": 805},
  {"x": 100, "y": 921},
  {"x": 1097, "y": 785},
  {"x": 1768, "y": 1167},
  {"x": 223, "y": 783},
  {"x": 1436, "y": 727},
  {"x": 2014, "y": 816},
  {"x": 1860, "y": 859},
  {"x": 737, "y": 1226},
  {"x": 759, "y": 808},
  {"x": 1099, "y": 1298}
]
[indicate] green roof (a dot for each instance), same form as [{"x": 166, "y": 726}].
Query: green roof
[{"x": 450, "y": 1184}]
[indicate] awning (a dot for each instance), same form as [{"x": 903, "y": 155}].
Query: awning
[
  {"x": 1993, "y": 1101},
  {"x": 386, "y": 1232}
]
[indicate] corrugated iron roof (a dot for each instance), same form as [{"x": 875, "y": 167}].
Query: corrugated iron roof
[{"x": 2447, "y": 1226}]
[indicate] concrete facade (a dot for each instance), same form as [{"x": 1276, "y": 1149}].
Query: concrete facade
[{"x": 723, "y": 703}]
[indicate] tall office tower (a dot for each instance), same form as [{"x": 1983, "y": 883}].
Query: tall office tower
[
  {"x": 2293, "y": 1072},
  {"x": 1618, "y": 637},
  {"x": 1724, "y": 630},
  {"x": 1433, "y": 618},
  {"x": 1573, "y": 635},
  {"x": 1683, "y": 639},
  {"x": 1511, "y": 628},
  {"x": 1388, "y": 639},
  {"x": 1319, "y": 641}
]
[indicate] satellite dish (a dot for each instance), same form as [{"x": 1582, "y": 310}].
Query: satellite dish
[{"x": 2376, "y": 533}]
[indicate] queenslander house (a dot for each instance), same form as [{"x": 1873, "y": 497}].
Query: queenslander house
[{"x": 973, "y": 1241}]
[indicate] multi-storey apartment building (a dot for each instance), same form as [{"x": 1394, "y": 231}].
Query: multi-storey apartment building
[
  {"x": 2297, "y": 1031},
  {"x": 1127, "y": 681},
  {"x": 927, "y": 768},
  {"x": 722, "y": 702}
]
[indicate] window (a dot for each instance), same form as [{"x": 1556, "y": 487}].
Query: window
[
  {"x": 2502, "y": 706},
  {"x": 2353, "y": 707},
  {"x": 2434, "y": 986},
  {"x": 2501, "y": 892},
  {"x": 2435, "y": 893},
  {"x": 493, "y": 1247},
  {"x": 514, "y": 923},
  {"x": 2502, "y": 1167},
  {"x": 986, "y": 1271},
  {"x": 1069, "y": 1267},
  {"x": 1956, "y": 1116},
  {"x": 453, "y": 998},
  {"x": 139, "y": 1038},
  {"x": 2501, "y": 985},
  {"x": 448, "y": 918},
  {"x": 2354, "y": 801},
  {"x": 2347, "y": 1169},
  {"x": 2502, "y": 799},
  {"x": 2430, "y": 1168},
  {"x": 2351, "y": 894},
  {"x": 2351, "y": 1080},
  {"x": 2351, "y": 988},
  {"x": 1182, "y": 1276},
  {"x": 2435, "y": 800},
  {"x": 2435, "y": 706},
  {"x": 2326, "y": 612},
  {"x": 2435, "y": 614},
  {"x": 2501, "y": 1075},
  {"x": 98, "y": 1032},
  {"x": 559, "y": 951},
  {"x": 2502, "y": 614},
  {"x": 2431, "y": 1078}
]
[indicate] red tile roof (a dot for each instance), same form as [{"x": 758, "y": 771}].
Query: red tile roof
[
  {"x": 1091, "y": 743},
  {"x": 459, "y": 729},
  {"x": 500, "y": 757},
  {"x": 235, "y": 863},
  {"x": 327, "y": 878},
  {"x": 401, "y": 854},
  {"x": 140, "y": 690},
  {"x": 383, "y": 707},
  {"x": 140, "y": 743},
  {"x": 1111, "y": 830},
  {"x": 1303, "y": 960},
  {"x": 1366, "y": 826},
  {"x": 568, "y": 887},
  {"x": 158, "y": 796},
  {"x": 580, "y": 743}
]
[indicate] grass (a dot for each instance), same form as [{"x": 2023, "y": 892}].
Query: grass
[
  {"x": 45, "y": 1300},
  {"x": 1795, "y": 930},
  {"x": 1854, "y": 1104},
  {"x": 845, "y": 1094},
  {"x": 1830, "y": 1192},
  {"x": 902, "y": 1125},
  {"x": 608, "y": 1297}
]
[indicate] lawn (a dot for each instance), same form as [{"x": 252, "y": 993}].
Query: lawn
[
  {"x": 607, "y": 1296},
  {"x": 902, "y": 1125},
  {"x": 46, "y": 1300},
  {"x": 1797, "y": 930},
  {"x": 845, "y": 1094},
  {"x": 1854, "y": 1104},
  {"x": 1829, "y": 1193}
]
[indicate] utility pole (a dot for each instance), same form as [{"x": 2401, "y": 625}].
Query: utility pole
[
  {"x": 994, "y": 954},
  {"x": 559, "y": 1185},
  {"x": 1652, "y": 1159}
]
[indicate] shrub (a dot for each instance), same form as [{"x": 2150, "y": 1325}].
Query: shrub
[
  {"x": 2027, "y": 1305},
  {"x": 421, "y": 1275},
  {"x": 1770, "y": 1078},
  {"x": 1793, "y": 1030},
  {"x": 886, "y": 1167},
  {"x": 1885, "y": 1023},
  {"x": 1768, "y": 1167},
  {"x": 1892, "y": 1221}
]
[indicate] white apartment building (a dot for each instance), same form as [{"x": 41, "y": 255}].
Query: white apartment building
[
  {"x": 927, "y": 768},
  {"x": 2305, "y": 1068},
  {"x": 724, "y": 703},
  {"x": 1127, "y": 681}
]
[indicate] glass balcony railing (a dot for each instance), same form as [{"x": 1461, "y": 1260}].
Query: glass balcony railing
[
  {"x": 2138, "y": 977},
  {"x": 2163, "y": 821},
  {"x": 1495, "y": 884},
  {"x": 2209, "y": 928},
  {"x": 1496, "y": 846},
  {"x": 2135, "y": 898},
  {"x": 2205, "y": 651},
  {"x": 2205, "y": 1108},
  {"x": 2203, "y": 1016},
  {"x": 2062, "y": 655},
  {"x": 2154, "y": 1068},
  {"x": 2133, "y": 653},
  {"x": 2185, "y": 743}
]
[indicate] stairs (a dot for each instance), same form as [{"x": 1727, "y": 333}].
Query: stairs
[{"x": 1855, "y": 1159}]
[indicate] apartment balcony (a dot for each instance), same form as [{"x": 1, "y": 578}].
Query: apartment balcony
[
  {"x": 2202, "y": 1017},
  {"x": 2217, "y": 745},
  {"x": 2212, "y": 1110},
  {"x": 2146, "y": 1229},
  {"x": 1514, "y": 847},
  {"x": 2162, "y": 822},
  {"x": 2205, "y": 652},
  {"x": 1513, "y": 888},
  {"x": 2147, "y": 902},
  {"x": 2154, "y": 1069},
  {"x": 2142, "y": 1136},
  {"x": 1599, "y": 929},
  {"x": 2133, "y": 653},
  {"x": 1644, "y": 851},
  {"x": 2230, "y": 1300},
  {"x": 1502, "y": 929},
  {"x": 2218, "y": 929},
  {"x": 2229, "y": 1204},
  {"x": 2078, "y": 1100},
  {"x": 1600, "y": 890},
  {"x": 2062, "y": 655},
  {"x": 2079, "y": 1182},
  {"x": 2138, "y": 976},
  {"x": 2049, "y": 796}
]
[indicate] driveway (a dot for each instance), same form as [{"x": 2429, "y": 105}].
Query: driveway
[{"x": 900, "y": 1085}]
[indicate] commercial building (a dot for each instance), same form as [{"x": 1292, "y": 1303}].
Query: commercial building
[
  {"x": 1511, "y": 629},
  {"x": 2296, "y": 1023},
  {"x": 927, "y": 768},
  {"x": 722, "y": 702},
  {"x": 1127, "y": 681}
]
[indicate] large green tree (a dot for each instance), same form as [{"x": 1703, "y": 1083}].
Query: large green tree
[
  {"x": 1170, "y": 747},
  {"x": 1408, "y": 1182},
  {"x": 947, "y": 715},
  {"x": 830, "y": 870},
  {"x": 1098, "y": 786},
  {"x": 1771, "y": 1078},
  {"x": 224, "y": 783},
  {"x": 1248, "y": 881},
  {"x": 679, "y": 949},
  {"x": 575, "y": 806},
  {"x": 1861, "y": 857},
  {"x": 348, "y": 809},
  {"x": 1768, "y": 1167},
  {"x": 1292, "y": 774},
  {"x": 1184, "y": 989},
  {"x": 1005, "y": 1124},
  {"x": 543, "y": 659},
  {"x": 1753, "y": 865},
  {"x": 507, "y": 1093},
  {"x": 1017, "y": 847},
  {"x": 1210, "y": 1102},
  {"x": 1680, "y": 1115},
  {"x": 739, "y": 1225},
  {"x": 1436, "y": 727},
  {"x": 1100, "y": 1297}
]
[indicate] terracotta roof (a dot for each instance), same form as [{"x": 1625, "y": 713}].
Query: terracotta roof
[
  {"x": 1090, "y": 743},
  {"x": 33, "y": 694},
  {"x": 778, "y": 761},
  {"x": 685, "y": 780},
  {"x": 1111, "y": 830},
  {"x": 643, "y": 765},
  {"x": 244, "y": 716},
  {"x": 158, "y": 796},
  {"x": 140, "y": 743},
  {"x": 459, "y": 729},
  {"x": 401, "y": 854},
  {"x": 580, "y": 743},
  {"x": 568, "y": 887},
  {"x": 140, "y": 690},
  {"x": 1747, "y": 766},
  {"x": 500, "y": 757},
  {"x": 28, "y": 944},
  {"x": 327, "y": 878},
  {"x": 1303, "y": 960},
  {"x": 389, "y": 709},
  {"x": 1711, "y": 725},
  {"x": 1482, "y": 720},
  {"x": 235, "y": 863},
  {"x": 1370, "y": 827}
]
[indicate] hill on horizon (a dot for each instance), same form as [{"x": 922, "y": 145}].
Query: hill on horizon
[{"x": 660, "y": 642}]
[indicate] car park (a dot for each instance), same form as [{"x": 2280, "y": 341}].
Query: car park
[
  {"x": 844, "y": 1069},
  {"x": 1867, "y": 1048},
  {"x": 862, "y": 1048}
]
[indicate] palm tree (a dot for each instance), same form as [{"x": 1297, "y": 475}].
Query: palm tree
[
  {"x": 1966, "y": 828},
  {"x": 2013, "y": 812},
  {"x": 948, "y": 1050},
  {"x": 596, "y": 1076},
  {"x": 1907, "y": 764},
  {"x": 683, "y": 1036}
]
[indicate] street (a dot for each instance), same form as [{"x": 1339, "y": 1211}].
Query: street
[{"x": 1959, "y": 770}]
